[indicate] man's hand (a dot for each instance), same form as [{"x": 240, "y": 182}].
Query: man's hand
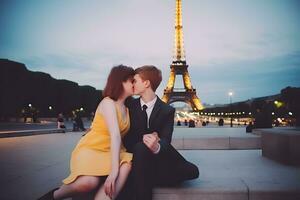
[{"x": 151, "y": 141}]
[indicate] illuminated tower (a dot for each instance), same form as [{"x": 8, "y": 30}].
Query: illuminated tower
[{"x": 179, "y": 68}]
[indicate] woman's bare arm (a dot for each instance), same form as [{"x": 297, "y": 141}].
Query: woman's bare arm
[{"x": 108, "y": 109}]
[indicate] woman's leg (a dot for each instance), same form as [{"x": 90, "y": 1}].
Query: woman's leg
[
  {"x": 120, "y": 182},
  {"x": 80, "y": 185}
]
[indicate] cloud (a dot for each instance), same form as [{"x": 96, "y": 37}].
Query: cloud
[
  {"x": 227, "y": 45},
  {"x": 247, "y": 79}
]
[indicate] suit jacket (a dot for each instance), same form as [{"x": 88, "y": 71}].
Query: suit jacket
[{"x": 161, "y": 120}]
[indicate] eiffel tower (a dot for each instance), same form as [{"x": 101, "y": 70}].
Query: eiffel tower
[{"x": 179, "y": 67}]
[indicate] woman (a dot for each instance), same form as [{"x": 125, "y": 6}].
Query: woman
[{"x": 100, "y": 152}]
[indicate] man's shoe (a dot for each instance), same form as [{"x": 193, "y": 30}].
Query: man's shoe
[{"x": 49, "y": 195}]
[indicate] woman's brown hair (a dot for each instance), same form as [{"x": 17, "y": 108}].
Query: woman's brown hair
[{"x": 118, "y": 74}]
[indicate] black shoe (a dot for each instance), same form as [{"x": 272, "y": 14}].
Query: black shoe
[{"x": 49, "y": 195}]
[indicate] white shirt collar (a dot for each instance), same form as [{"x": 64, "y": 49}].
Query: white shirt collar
[{"x": 150, "y": 104}]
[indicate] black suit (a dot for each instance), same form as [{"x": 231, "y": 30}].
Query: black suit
[
  {"x": 161, "y": 120},
  {"x": 167, "y": 167}
]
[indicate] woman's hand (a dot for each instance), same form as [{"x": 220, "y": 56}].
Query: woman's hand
[{"x": 109, "y": 185}]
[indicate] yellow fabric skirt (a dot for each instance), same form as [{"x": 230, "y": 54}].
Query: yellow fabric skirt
[{"x": 90, "y": 162}]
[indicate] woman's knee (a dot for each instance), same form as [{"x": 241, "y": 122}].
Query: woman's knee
[{"x": 86, "y": 183}]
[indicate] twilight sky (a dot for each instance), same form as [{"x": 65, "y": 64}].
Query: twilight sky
[{"x": 250, "y": 47}]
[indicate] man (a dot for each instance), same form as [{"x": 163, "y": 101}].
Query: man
[{"x": 155, "y": 161}]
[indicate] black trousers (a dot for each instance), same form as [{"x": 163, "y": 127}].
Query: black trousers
[{"x": 149, "y": 170}]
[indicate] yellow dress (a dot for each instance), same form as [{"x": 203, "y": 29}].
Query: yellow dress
[{"x": 92, "y": 155}]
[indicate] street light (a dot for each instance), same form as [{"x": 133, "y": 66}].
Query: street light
[{"x": 230, "y": 98}]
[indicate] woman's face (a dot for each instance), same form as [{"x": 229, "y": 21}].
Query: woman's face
[{"x": 128, "y": 87}]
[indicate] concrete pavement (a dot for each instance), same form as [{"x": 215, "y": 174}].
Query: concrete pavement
[
  {"x": 32, "y": 165},
  {"x": 184, "y": 138},
  {"x": 9, "y": 127}
]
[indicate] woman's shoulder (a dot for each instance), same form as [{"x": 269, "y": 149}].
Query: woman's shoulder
[
  {"x": 106, "y": 103},
  {"x": 107, "y": 100}
]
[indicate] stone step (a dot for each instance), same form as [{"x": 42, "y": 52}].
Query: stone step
[
  {"x": 39, "y": 163},
  {"x": 221, "y": 143},
  {"x": 197, "y": 189},
  {"x": 183, "y": 138},
  {"x": 232, "y": 175},
  {"x": 222, "y": 189},
  {"x": 228, "y": 189},
  {"x": 281, "y": 145},
  {"x": 21, "y": 133}
]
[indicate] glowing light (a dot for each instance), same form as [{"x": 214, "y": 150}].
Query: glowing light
[
  {"x": 179, "y": 59},
  {"x": 178, "y": 43},
  {"x": 171, "y": 81},
  {"x": 197, "y": 103},
  {"x": 187, "y": 81},
  {"x": 278, "y": 104}
]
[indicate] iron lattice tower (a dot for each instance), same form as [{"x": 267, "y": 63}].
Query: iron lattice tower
[{"x": 180, "y": 68}]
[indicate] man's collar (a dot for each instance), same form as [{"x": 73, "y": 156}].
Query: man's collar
[{"x": 150, "y": 103}]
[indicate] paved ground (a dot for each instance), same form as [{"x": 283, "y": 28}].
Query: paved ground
[
  {"x": 210, "y": 132},
  {"x": 6, "y": 127},
  {"x": 12, "y": 126},
  {"x": 32, "y": 165}
]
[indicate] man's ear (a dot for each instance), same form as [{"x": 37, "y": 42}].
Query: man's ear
[{"x": 147, "y": 84}]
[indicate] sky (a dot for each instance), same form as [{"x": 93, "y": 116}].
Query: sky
[{"x": 249, "y": 47}]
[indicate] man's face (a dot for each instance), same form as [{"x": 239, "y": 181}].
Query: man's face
[{"x": 139, "y": 85}]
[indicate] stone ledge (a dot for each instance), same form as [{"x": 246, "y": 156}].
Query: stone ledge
[
  {"x": 198, "y": 189},
  {"x": 282, "y": 146},
  {"x": 30, "y": 132},
  {"x": 224, "y": 189},
  {"x": 284, "y": 189},
  {"x": 217, "y": 143}
]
